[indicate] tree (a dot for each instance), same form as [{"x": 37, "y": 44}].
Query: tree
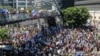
[
  {"x": 1, "y": 7},
  {"x": 7, "y": 7},
  {"x": 28, "y": 9},
  {"x": 75, "y": 16},
  {"x": 3, "y": 33}
]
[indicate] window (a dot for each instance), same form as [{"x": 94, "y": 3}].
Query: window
[
  {"x": 5, "y": 0},
  {"x": 21, "y": 3},
  {"x": 10, "y": 0},
  {"x": 8, "y": 4},
  {"x": 30, "y": 0},
  {"x": 30, "y": 4},
  {"x": 22, "y": 0}
]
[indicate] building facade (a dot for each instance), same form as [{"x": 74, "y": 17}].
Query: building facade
[
  {"x": 23, "y": 3},
  {"x": 67, "y": 3},
  {"x": 17, "y": 3},
  {"x": 90, "y": 4},
  {"x": 1, "y": 2},
  {"x": 28, "y": 3}
]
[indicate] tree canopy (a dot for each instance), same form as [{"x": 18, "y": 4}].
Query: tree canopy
[
  {"x": 3, "y": 33},
  {"x": 75, "y": 15},
  {"x": 7, "y": 7}
]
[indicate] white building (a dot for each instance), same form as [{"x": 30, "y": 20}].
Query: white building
[
  {"x": 18, "y": 3},
  {"x": 23, "y": 3}
]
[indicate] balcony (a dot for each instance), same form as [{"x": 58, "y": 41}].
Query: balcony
[{"x": 7, "y": 1}]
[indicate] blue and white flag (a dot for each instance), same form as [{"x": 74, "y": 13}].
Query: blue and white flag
[{"x": 34, "y": 12}]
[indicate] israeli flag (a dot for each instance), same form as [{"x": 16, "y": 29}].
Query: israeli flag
[{"x": 34, "y": 12}]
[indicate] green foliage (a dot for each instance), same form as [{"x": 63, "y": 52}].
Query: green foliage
[
  {"x": 29, "y": 8},
  {"x": 1, "y": 7},
  {"x": 75, "y": 15},
  {"x": 8, "y": 7},
  {"x": 3, "y": 33}
]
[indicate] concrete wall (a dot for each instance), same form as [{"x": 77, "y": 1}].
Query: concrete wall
[
  {"x": 92, "y": 7},
  {"x": 95, "y": 18},
  {"x": 87, "y": 2}
]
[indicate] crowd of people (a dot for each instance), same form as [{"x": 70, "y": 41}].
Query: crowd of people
[{"x": 54, "y": 41}]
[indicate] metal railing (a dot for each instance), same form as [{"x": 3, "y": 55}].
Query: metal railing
[{"x": 20, "y": 16}]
